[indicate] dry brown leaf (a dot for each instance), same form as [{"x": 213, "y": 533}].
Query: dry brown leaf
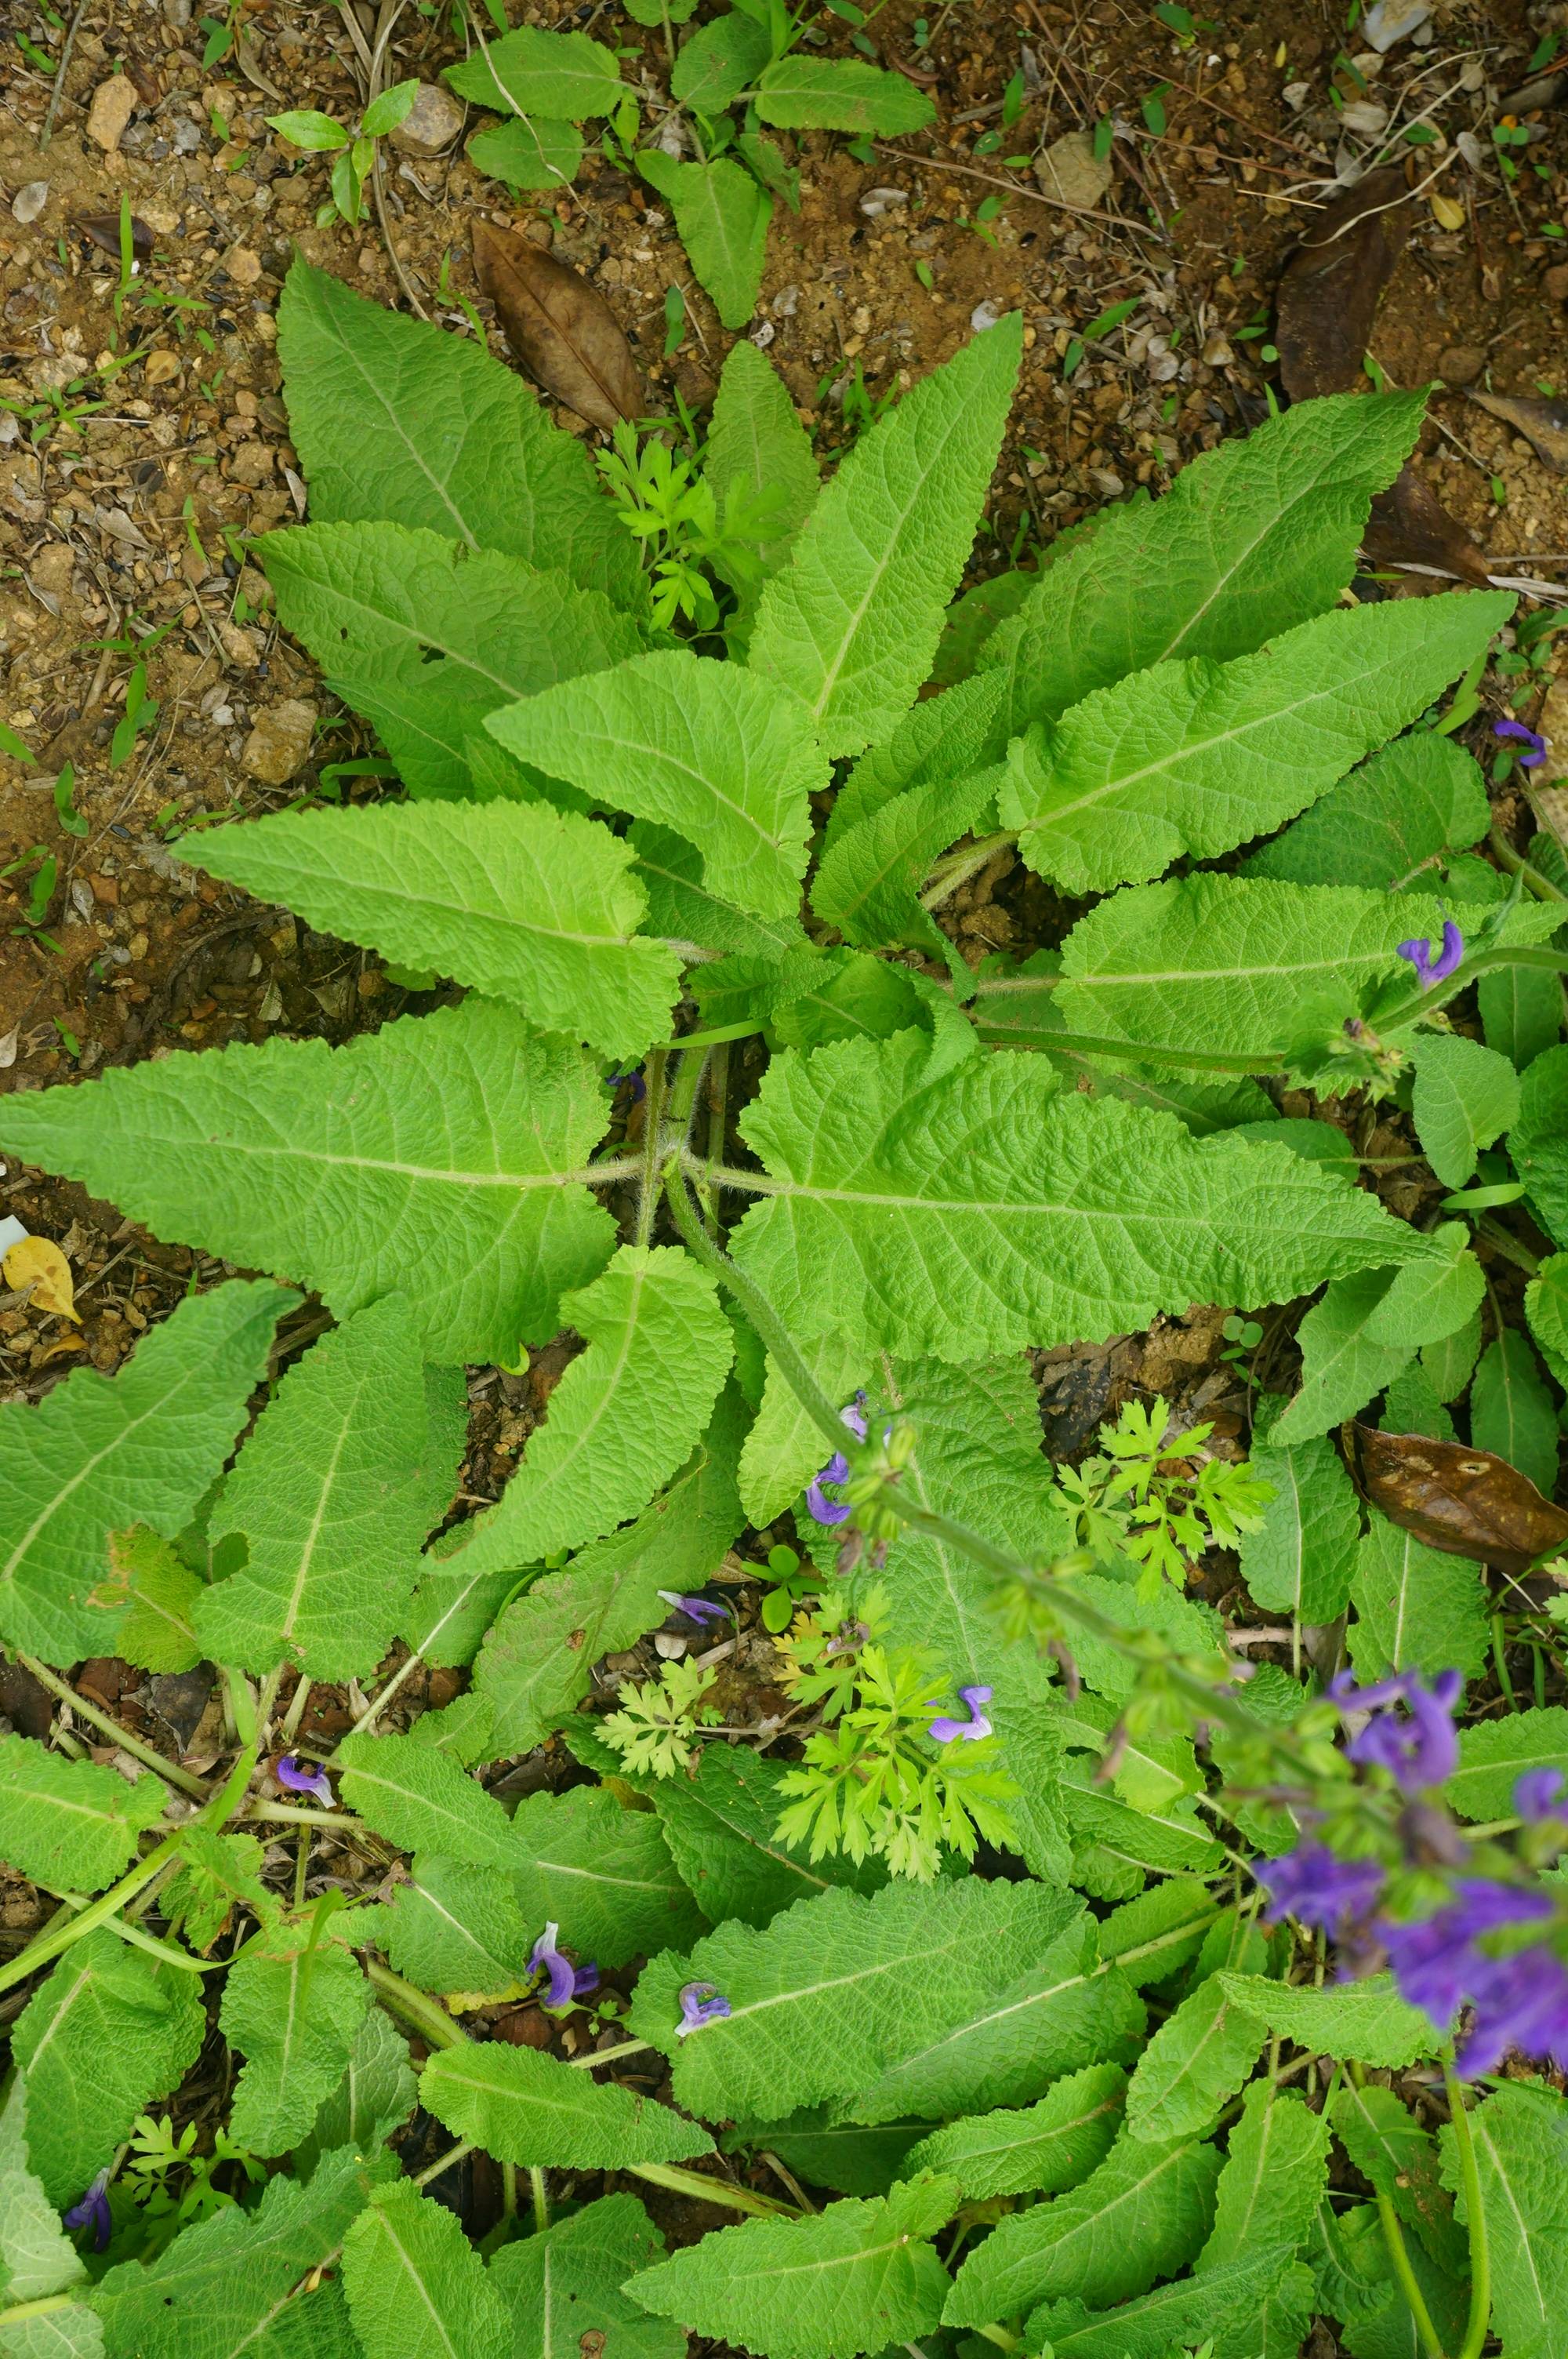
[
  {"x": 37, "y": 1262},
  {"x": 561, "y": 329},
  {"x": 104, "y": 229},
  {"x": 1544, "y": 424},
  {"x": 1465, "y": 1502},
  {"x": 1410, "y": 526},
  {"x": 1328, "y": 294}
]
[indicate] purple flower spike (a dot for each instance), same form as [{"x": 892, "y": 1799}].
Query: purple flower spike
[
  {"x": 1539, "y": 1794},
  {"x": 563, "y": 1981},
  {"x": 94, "y": 2207},
  {"x": 1417, "y": 1752},
  {"x": 1516, "y": 730},
  {"x": 639, "y": 1086},
  {"x": 701, "y": 2003},
  {"x": 1319, "y": 1889},
  {"x": 1430, "y": 969},
  {"x": 818, "y": 1505},
  {"x": 946, "y": 1732},
  {"x": 296, "y": 1780},
  {"x": 700, "y": 1610}
]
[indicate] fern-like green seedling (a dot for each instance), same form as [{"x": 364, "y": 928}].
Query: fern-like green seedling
[
  {"x": 1157, "y": 1496},
  {"x": 656, "y": 1727}
]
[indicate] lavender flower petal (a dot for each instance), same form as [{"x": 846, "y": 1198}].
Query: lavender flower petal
[
  {"x": 701, "y": 2003},
  {"x": 696, "y": 1609},
  {"x": 818, "y": 1505},
  {"x": 1430, "y": 969},
  {"x": 1313, "y": 1884},
  {"x": 1417, "y": 1752},
  {"x": 560, "y": 1975},
  {"x": 297, "y": 1781},
  {"x": 1539, "y": 1794},
  {"x": 1516, "y": 730},
  {"x": 94, "y": 2207},
  {"x": 945, "y": 1730}
]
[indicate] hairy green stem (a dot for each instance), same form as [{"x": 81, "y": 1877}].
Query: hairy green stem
[
  {"x": 712, "y": 2190},
  {"x": 61, "y": 1934},
  {"x": 653, "y": 1145},
  {"x": 432, "y": 2022},
  {"x": 1480, "y": 2254},
  {"x": 444, "y": 2162},
  {"x": 540, "y": 2198},
  {"x": 170, "y": 1771},
  {"x": 21, "y": 2311},
  {"x": 1515, "y": 862},
  {"x": 1394, "y": 2240}
]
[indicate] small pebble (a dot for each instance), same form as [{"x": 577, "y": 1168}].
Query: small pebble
[
  {"x": 29, "y": 201},
  {"x": 113, "y": 103}
]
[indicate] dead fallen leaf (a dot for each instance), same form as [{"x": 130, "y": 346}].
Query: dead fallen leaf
[
  {"x": 1465, "y": 1502},
  {"x": 1410, "y": 526},
  {"x": 1544, "y": 424},
  {"x": 38, "y": 1262},
  {"x": 561, "y": 329},
  {"x": 1328, "y": 294},
  {"x": 104, "y": 229}
]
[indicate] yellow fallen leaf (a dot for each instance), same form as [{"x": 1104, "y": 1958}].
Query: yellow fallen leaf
[
  {"x": 38, "y": 1262},
  {"x": 1449, "y": 212}
]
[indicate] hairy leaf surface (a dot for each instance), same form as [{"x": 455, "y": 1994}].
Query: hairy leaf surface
[
  {"x": 1520, "y": 2136},
  {"x": 723, "y": 757},
  {"x": 1365, "y": 2022},
  {"x": 1417, "y": 1609},
  {"x": 978, "y": 1212},
  {"x": 1276, "y": 2166},
  {"x": 422, "y": 1802},
  {"x": 722, "y": 216},
  {"x": 100, "y": 1453},
  {"x": 603, "y": 1874},
  {"x": 565, "y": 2286},
  {"x": 1195, "y": 756},
  {"x": 1301, "y": 1559},
  {"x": 451, "y": 1144},
  {"x": 1198, "y": 2058},
  {"x": 396, "y": 420},
  {"x": 416, "y": 2287},
  {"x": 292, "y": 2005},
  {"x": 1493, "y": 1754},
  {"x": 1041, "y": 2149},
  {"x": 525, "y": 2107},
  {"x": 425, "y": 638},
  {"x": 456, "y": 1927},
  {"x": 858, "y": 2277},
  {"x": 333, "y": 1496},
  {"x": 69, "y": 1824},
  {"x": 756, "y": 442},
  {"x": 1252, "y": 539},
  {"x": 1416, "y": 798},
  {"x": 805, "y": 93},
  {"x": 851, "y": 622},
  {"x": 528, "y": 904}
]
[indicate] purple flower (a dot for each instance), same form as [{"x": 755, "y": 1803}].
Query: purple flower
[
  {"x": 1516, "y": 730},
  {"x": 564, "y": 1982},
  {"x": 818, "y": 1505},
  {"x": 639, "y": 1086},
  {"x": 1539, "y": 1794},
  {"x": 701, "y": 2003},
  {"x": 1417, "y": 1752},
  {"x": 94, "y": 2207},
  {"x": 696, "y": 1609},
  {"x": 1520, "y": 2001},
  {"x": 1313, "y": 1885},
  {"x": 296, "y": 1780},
  {"x": 1430, "y": 969},
  {"x": 945, "y": 1731}
]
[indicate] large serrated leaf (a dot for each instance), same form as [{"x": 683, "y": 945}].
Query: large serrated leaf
[
  {"x": 1141, "y": 2215},
  {"x": 237, "y": 2282},
  {"x": 425, "y": 638},
  {"x": 376, "y": 2093},
  {"x": 99, "y": 1452},
  {"x": 1301, "y": 1559},
  {"x": 1417, "y": 1608},
  {"x": 721, "y": 215},
  {"x": 724, "y": 759},
  {"x": 851, "y": 623},
  {"x": 37, "y": 2256},
  {"x": 805, "y": 94},
  {"x": 624, "y": 1416},
  {"x": 566, "y": 77},
  {"x": 1520, "y": 2136},
  {"x": 1041, "y": 2149},
  {"x": 108, "y": 2031},
  {"x": 756, "y": 442},
  {"x": 71, "y": 1825},
  {"x": 1231, "y": 963},
  {"x": 538, "y": 1660},
  {"x": 1275, "y": 2168},
  {"x": 1364, "y": 2023},
  {"x": 415, "y": 2287},
  {"x": 1194, "y": 2313},
  {"x": 455, "y": 1927},
  {"x": 1252, "y": 539},
  {"x": 564, "y": 2286},
  {"x": 1391, "y": 2149},
  {"x": 423, "y": 1801},
  {"x": 528, "y": 904},
  {"x": 524, "y": 2107},
  {"x": 1539, "y": 1140},
  {"x": 1342, "y": 1365},
  {"x": 1199, "y": 2056},
  {"x": 454, "y": 1145},
  {"x": 858, "y": 2277},
  {"x": 292, "y": 2007},
  {"x": 1465, "y": 1097},
  {"x": 603, "y": 1874},
  {"x": 836, "y": 1988},
  {"x": 1495, "y": 1754},
  {"x": 333, "y": 1494},
  {"x": 977, "y": 1212},
  {"x": 1417, "y": 798},
  {"x": 1196, "y": 758},
  {"x": 393, "y": 418}
]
